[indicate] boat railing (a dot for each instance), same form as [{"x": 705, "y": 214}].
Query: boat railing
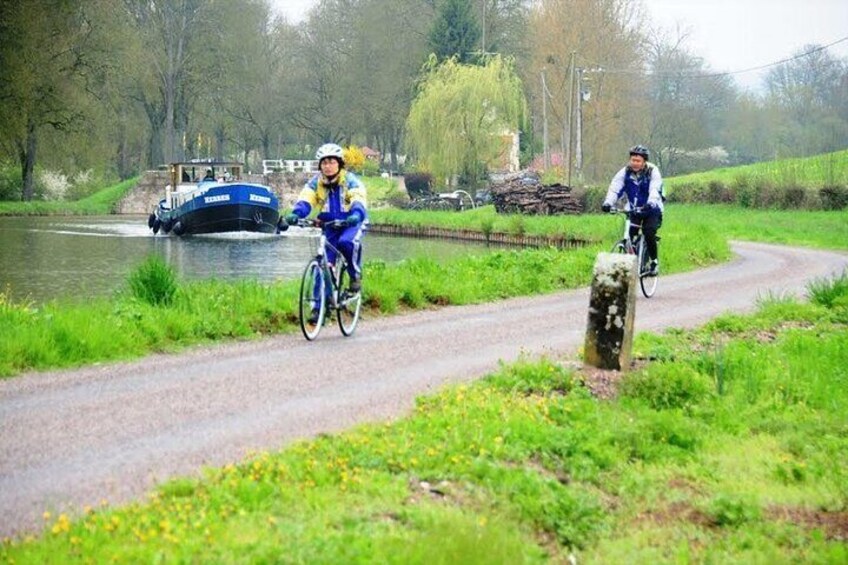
[{"x": 289, "y": 165}]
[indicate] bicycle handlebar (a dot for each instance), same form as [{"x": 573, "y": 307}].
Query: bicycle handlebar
[
  {"x": 639, "y": 210},
  {"x": 316, "y": 223}
]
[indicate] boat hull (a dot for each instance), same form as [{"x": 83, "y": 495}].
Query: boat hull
[{"x": 223, "y": 208}]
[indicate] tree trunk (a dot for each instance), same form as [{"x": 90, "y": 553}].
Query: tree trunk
[
  {"x": 170, "y": 112},
  {"x": 266, "y": 145},
  {"x": 220, "y": 142},
  {"x": 154, "y": 149},
  {"x": 27, "y": 158}
]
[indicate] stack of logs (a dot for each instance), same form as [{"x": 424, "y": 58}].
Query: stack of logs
[{"x": 524, "y": 193}]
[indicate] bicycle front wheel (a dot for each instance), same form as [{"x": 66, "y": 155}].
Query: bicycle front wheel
[
  {"x": 647, "y": 281},
  {"x": 313, "y": 300},
  {"x": 619, "y": 248},
  {"x": 348, "y": 303}
]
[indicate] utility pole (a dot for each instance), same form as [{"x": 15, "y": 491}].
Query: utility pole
[
  {"x": 546, "y": 156},
  {"x": 483, "y": 25},
  {"x": 570, "y": 117},
  {"x": 579, "y": 133}
]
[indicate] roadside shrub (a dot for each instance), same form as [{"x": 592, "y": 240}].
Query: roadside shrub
[
  {"x": 766, "y": 194},
  {"x": 830, "y": 292},
  {"x": 834, "y": 197},
  {"x": 746, "y": 196},
  {"x": 793, "y": 197},
  {"x": 86, "y": 183},
  {"x": 11, "y": 187},
  {"x": 370, "y": 168},
  {"x": 354, "y": 158},
  {"x": 667, "y": 385},
  {"x": 718, "y": 193},
  {"x": 154, "y": 282},
  {"x": 418, "y": 184},
  {"x": 54, "y": 185},
  {"x": 591, "y": 197}
]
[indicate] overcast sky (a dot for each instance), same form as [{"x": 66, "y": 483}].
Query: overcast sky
[{"x": 731, "y": 35}]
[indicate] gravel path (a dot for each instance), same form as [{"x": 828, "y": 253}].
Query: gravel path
[{"x": 111, "y": 432}]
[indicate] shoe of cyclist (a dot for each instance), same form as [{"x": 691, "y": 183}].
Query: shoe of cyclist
[
  {"x": 313, "y": 317},
  {"x": 356, "y": 285},
  {"x": 654, "y": 269}
]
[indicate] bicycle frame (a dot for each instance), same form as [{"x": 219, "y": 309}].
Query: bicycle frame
[
  {"x": 329, "y": 278},
  {"x": 637, "y": 246},
  {"x": 321, "y": 255},
  {"x": 629, "y": 244}
]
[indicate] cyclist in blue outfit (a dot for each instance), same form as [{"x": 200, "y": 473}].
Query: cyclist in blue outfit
[
  {"x": 641, "y": 182},
  {"x": 338, "y": 195}
]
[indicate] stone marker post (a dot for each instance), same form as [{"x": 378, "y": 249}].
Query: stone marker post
[{"x": 612, "y": 307}]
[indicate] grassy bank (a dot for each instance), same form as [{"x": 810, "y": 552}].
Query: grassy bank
[
  {"x": 128, "y": 325},
  {"x": 99, "y": 203},
  {"x": 815, "y": 183},
  {"x": 823, "y": 229},
  {"x": 63, "y": 334},
  {"x": 730, "y": 448}
]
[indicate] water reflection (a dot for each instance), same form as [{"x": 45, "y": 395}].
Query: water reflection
[{"x": 43, "y": 258}]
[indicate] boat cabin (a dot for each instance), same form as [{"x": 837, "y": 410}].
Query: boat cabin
[
  {"x": 187, "y": 179},
  {"x": 187, "y": 175}
]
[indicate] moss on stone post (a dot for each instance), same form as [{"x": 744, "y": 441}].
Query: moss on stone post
[{"x": 612, "y": 307}]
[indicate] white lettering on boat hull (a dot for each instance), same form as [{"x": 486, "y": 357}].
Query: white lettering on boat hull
[
  {"x": 221, "y": 198},
  {"x": 257, "y": 198}
]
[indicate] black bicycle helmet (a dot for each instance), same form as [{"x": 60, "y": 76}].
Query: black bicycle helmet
[{"x": 640, "y": 150}]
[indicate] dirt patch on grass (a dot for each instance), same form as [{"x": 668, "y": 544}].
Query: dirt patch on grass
[
  {"x": 604, "y": 383},
  {"x": 834, "y": 525},
  {"x": 682, "y": 484},
  {"x": 675, "y": 513}
]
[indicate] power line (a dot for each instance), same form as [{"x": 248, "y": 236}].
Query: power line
[
  {"x": 719, "y": 74},
  {"x": 788, "y": 59}
]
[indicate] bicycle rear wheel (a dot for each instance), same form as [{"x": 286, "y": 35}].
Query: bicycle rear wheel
[
  {"x": 619, "y": 248},
  {"x": 646, "y": 281},
  {"x": 348, "y": 303},
  {"x": 313, "y": 299}
]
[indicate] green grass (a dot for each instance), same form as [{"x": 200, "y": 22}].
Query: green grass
[
  {"x": 739, "y": 459},
  {"x": 65, "y": 334},
  {"x": 383, "y": 192},
  {"x": 815, "y": 183},
  {"x": 159, "y": 313},
  {"x": 100, "y": 203},
  {"x": 829, "y": 169},
  {"x": 682, "y": 225}
]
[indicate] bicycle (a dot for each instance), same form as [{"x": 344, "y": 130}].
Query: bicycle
[
  {"x": 325, "y": 288},
  {"x": 637, "y": 246}
]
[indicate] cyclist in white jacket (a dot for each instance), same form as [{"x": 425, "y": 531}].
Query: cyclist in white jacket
[{"x": 641, "y": 182}]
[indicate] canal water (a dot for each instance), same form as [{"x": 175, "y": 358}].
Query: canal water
[{"x": 46, "y": 258}]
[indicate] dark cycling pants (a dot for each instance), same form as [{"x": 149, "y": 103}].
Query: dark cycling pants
[{"x": 650, "y": 225}]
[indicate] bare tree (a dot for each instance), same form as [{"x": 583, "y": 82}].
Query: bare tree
[
  {"x": 603, "y": 35},
  {"x": 687, "y": 102},
  {"x": 169, "y": 32},
  {"x": 810, "y": 92}
]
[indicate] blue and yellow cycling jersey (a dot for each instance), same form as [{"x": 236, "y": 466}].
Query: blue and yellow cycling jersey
[{"x": 335, "y": 201}]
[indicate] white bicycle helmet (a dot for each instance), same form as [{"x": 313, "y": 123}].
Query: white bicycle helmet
[{"x": 330, "y": 150}]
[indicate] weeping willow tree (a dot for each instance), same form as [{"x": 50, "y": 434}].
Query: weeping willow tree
[{"x": 461, "y": 115}]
